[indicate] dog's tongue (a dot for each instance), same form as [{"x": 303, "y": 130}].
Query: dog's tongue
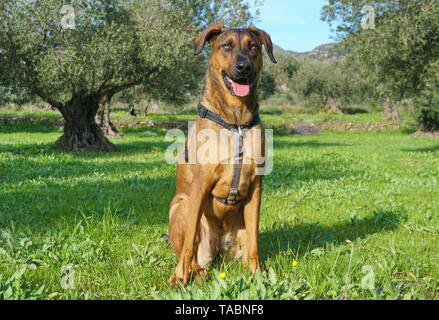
[{"x": 241, "y": 90}]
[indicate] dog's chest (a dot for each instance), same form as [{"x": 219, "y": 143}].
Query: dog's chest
[
  {"x": 223, "y": 186},
  {"x": 246, "y": 154},
  {"x": 251, "y": 145}
]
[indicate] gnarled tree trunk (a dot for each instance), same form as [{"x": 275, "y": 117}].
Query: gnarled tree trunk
[
  {"x": 391, "y": 112},
  {"x": 81, "y": 133},
  {"x": 151, "y": 107},
  {"x": 334, "y": 105},
  {"x": 103, "y": 117},
  {"x": 131, "y": 111}
]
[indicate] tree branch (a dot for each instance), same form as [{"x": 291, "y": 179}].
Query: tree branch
[
  {"x": 115, "y": 88},
  {"x": 120, "y": 86},
  {"x": 54, "y": 103}
]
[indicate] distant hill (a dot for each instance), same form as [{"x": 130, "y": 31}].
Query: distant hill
[{"x": 321, "y": 53}]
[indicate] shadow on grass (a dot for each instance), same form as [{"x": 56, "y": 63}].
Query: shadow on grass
[
  {"x": 431, "y": 149},
  {"x": 303, "y": 238},
  {"x": 42, "y": 126},
  {"x": 23, "y": 168},
  {"x": 271, "y": 111},
  {"x": 353, "y": 111},
  {"x": 41, "y": 186},
  {"x": 138, "y": 147},
  {"x": 281, "y": 144},
  {"x": 409, "y": 130},
  {"x": 46, "y": 195},
  {"x": 28, "y": 149},
  {"x": 142, "y": 145}
]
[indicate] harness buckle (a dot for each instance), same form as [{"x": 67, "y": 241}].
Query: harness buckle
[{"x": 233, "y": 193}]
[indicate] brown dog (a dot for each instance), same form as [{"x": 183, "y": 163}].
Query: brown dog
[{"x": 217, "y": 205}]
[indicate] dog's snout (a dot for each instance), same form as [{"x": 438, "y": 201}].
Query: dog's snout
[{"x": 243, "y": 68}]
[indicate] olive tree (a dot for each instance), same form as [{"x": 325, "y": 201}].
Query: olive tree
[
  {"x": 321, "y": 84},
  {"x": 232, "y": 13},
  {"x": 278, "y": 77},
  {"x": 427, "y": 104},
  {"x": 75, "y": 60},
  {"x": 394, "y": 41}
]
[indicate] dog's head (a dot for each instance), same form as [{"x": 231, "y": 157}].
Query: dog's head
[{"x": 236, "y": 55}]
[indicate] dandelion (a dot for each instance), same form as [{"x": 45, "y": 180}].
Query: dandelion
[
  {"x": 294, "y": 264},
  {"x": 222, "y": 275}
]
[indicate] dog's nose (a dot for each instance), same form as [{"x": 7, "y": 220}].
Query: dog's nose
[{"x": 243, "y": 68}]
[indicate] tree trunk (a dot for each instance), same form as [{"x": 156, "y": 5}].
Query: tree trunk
[
  {"x": 145, "y": 107},
  {"x": 153, "y": 107},
  {"x": 334, "y": 105},
  {"x": 103, "y": 117},
  {"x": 81, "y": 133},
  {"x": 391, "y": 112},
  {"x": 131, "y": 111}
]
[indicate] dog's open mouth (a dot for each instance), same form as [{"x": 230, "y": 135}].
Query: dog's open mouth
[{"x": 240, "y": 88}]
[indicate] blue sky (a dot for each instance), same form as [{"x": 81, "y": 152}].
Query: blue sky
[{"x": 295, "y": 24}]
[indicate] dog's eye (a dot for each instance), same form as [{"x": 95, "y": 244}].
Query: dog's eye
[
  {"x": 253, "y": 45},
  {"x": 227, "y": 46}
]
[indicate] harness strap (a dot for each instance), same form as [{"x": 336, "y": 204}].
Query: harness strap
[
  {"x": 238, "y": 156},
  {"x": 207, "y": 114},
  {"x": 238, "y": 150}
]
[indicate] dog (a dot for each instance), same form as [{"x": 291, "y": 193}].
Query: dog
[{"x": 216, "y": 208}]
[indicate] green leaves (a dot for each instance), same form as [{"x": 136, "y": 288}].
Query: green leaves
[
  {"x": 261, "y": 286},
  {"x": 427, "y": 102},
  {"x": 399, "y": 51},
  {"x": 16, "y": 288},
  {"x": 108, "y": 46},
  {"x": 112, "y": 42}
]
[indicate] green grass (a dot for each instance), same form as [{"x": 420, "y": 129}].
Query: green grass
[
  {"x": 274, "y": 117},
  {"x": 340, "y": 204}
]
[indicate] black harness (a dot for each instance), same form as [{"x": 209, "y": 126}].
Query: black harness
[{"x": 238, "y": 149}]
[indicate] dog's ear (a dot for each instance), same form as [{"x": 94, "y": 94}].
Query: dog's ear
[
  {"x": 208, "y": 35},
  {"x": 265, "y": 39}
]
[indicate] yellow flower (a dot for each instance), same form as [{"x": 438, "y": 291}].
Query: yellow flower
[
  {"x": 294, "y": 264},
  {"x": 222, "y": 275}
]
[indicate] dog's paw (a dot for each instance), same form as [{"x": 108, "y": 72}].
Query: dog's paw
[
  {"x": 202, "y": 275},
  {"x": 173, "y": 282},
  {"x": 176, "y": 279}
]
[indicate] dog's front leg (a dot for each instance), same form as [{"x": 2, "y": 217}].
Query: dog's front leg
[
  {"x": 251, "y": 219},
  {"x": 197, "y": 200}
]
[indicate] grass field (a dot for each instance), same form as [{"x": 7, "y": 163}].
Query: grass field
[{"x": 345, "y": 215}]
